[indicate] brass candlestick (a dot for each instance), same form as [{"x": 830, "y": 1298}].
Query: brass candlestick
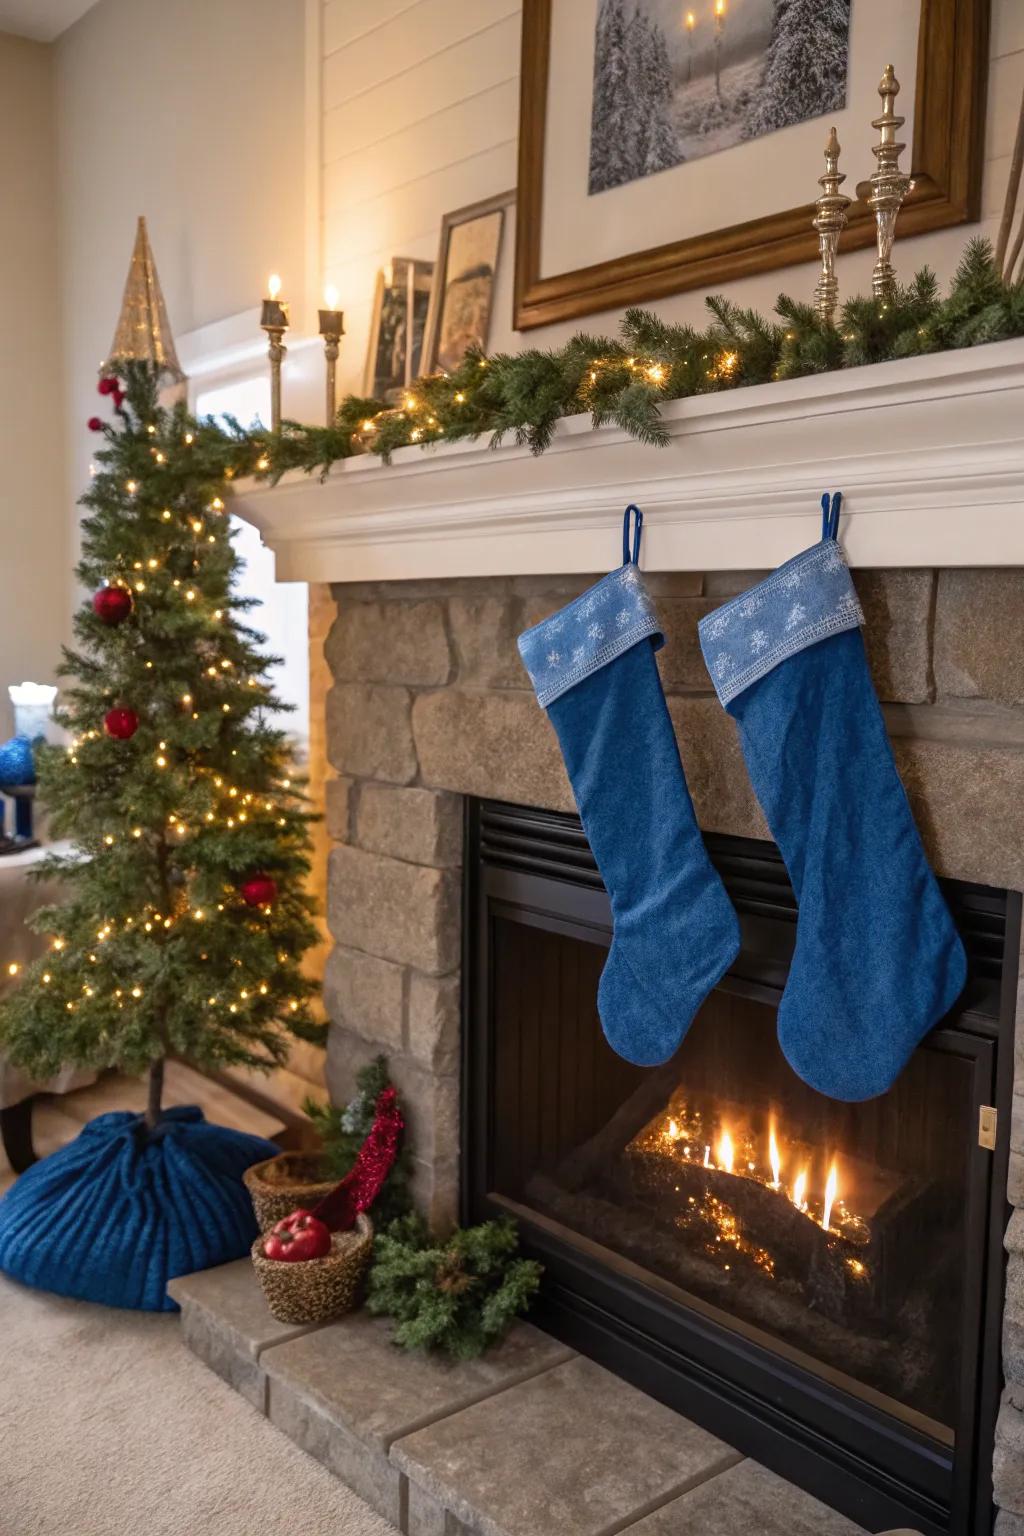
[
  {"x": 889, "y": 185},
  {"x": 332, "y": 329},
  {"x": 830, "y": 221},
  {"x": 274, "y": 320}
]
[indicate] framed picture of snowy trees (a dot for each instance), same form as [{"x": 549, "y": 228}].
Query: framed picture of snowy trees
[{"x": 675, "y": 144}]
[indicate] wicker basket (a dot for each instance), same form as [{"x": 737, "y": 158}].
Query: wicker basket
[
  {"x": 286, "y": 1183},
  {"x": 315, "y": 1290}
]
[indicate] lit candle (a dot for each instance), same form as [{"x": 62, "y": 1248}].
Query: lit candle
[
  {"x": 332, "y": 329},
  {"x": 274, "y": 320}
]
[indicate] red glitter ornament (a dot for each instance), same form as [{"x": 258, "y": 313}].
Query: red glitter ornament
[
  {"x": 374, "y": 1161},
  {"x": 94, "y": 424},
  {"x": 112, "y": 605},
  {"x": 121, "y": 723},
  {"x": 259, "y": 890},
  {"x": 107, "y": 385}
]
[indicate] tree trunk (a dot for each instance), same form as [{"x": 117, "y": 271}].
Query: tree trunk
[{"x": 156, "y": 1088}]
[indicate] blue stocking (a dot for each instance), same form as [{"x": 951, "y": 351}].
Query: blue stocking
[
  {"x": 592, "y": 665},
  {"x": 878, "y": 960}
]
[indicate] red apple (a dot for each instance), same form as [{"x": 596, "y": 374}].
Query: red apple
[{"x": 298, "y": 1237}]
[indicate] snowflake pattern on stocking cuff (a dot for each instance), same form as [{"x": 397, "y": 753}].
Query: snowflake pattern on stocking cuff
[
  {"x": 606, "y": 620},
  {"x": 808, "y": 598}
]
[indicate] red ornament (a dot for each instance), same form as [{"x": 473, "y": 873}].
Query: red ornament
[
  {"x": 119, "y": 398},
  {"x": 107, "y": 385},
  {"x": 374, "y": 1161},
  {"x": 259, "y": 890},
  {"x": 94, "y": 424},
  {"x": 121, "y": 724},
  {"x": 112, "y": 605},
  {"x": 298, "y": 1237}
]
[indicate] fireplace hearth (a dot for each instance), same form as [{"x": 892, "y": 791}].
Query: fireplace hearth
[{"x": 818, "y": 1283}]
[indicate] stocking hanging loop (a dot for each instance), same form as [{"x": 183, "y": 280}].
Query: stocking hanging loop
[
  {"x": 830, "y": 515},
  {"x": 637, "y": 529}
]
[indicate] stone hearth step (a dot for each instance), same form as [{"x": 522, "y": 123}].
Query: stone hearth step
[{"x": 531, "y": 1440}]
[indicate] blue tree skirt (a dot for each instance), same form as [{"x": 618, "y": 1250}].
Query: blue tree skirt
[{"x": 120, "y": 1211}]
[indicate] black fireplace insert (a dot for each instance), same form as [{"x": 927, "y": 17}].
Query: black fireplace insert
[{"x": 818, "y": 1283}]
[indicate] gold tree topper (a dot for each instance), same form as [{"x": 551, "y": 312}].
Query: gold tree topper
[{"x": 143, "y": 334}]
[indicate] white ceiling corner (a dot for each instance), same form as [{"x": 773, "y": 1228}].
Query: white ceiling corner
[{"x": 42, "y": 20}]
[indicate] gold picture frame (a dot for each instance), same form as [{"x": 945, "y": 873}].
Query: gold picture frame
[
  {"x": 461, "y": 301},
  {"x": 948, "y": 148}
]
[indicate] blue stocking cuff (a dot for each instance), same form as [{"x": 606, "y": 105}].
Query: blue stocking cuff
[
  {"x": 610, "y": 617},
  {"x": 805, "y": 600}
]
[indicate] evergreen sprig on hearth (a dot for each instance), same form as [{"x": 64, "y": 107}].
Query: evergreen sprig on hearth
[
  {"x": 186, "y": 914},
  {"x": 457, "y": 1297}
]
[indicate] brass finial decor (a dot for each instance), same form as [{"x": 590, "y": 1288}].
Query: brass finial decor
[
  {"x": 143, "y": 334},
  {"x": 830, "y": 221},
  {"x": 332, "y": 329},
  {"x": 889, "y": 185},
  {"x": 274, "y": 320}
]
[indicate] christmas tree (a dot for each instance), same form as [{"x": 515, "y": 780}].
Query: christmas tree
[
  {"x": 632, "y": 131},
  {"x": 805, "y": 66},
  {"x": 186, "y": 916}
]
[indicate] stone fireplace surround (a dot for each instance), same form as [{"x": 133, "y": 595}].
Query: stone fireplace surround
[{"x": 430, "y": 703}]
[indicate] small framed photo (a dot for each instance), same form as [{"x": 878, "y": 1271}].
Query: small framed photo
[
  {"x": 467, "y": 263},
  {"x": 400, "y": 308}
]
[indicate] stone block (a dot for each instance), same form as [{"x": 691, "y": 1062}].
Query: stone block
[
  {"x": 434, "y": 1022},
  {"x": 303, "y": 1417},
  {"x": 674, "y": 583},
  {"x": 421, "y": 826},
  {"x": 1013, "y": 1242},
  {"x": 680, "y": 660},
  {"x": 226, "y": 1323},
  {"x": 401, "y": 912},
  {"x": 977, "y": 615},
  {"x": 498, "y": 745},
  {"x": 1015, "y": 1179},
  {"x": 714, "y": 766},
  {"x": 721, "y": 585},
  {"x": 1008, "y": 1458},
  {"x": 369, "y": 732},
  {"x": 897, "y": 612},
  {"x": 338, "y": 801},
  {"x": 350, "y": 1375},
  {"x": 607, "y": 1453},
  {"x": 746, "y": 1497},
  {"x": 1008, "y": 1524},
  {"x": 435, "y": 1192},
  {"x": 396, "y": 642},
  {"x": 1017, "y": 1118},
  {"x": 432, "y": 1110},
  {"x": 559, "y": 589},
  {"x": 365, "y": 995},
  {"x": 425, "y": 1517},
  {"x": 966, "y": 803},
  {"x": 484, "y": 629}
]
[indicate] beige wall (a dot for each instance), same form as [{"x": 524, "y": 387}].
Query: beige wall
[
  {"x": 420, "y": 112},
  {"x": 34, "y": 558},
  {"x": 192, "y": 114}
]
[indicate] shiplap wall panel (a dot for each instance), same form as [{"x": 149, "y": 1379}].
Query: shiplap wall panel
[
  {"x": 488, "y": 58},
  {"x": 404, "y": 42},
  {"x": 440, "y": 141},
  {"x": 345, "y": 21}
]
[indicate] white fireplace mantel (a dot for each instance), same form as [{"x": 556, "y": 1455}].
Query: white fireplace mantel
[{"x": 928, "y": 452}]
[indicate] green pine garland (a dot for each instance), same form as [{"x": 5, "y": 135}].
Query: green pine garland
[
  {"x": 457, "y": 1297},
  {"x": 626, "y": 380}
]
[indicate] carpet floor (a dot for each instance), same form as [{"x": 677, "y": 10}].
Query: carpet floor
[{"x": 109, "y": 1427}]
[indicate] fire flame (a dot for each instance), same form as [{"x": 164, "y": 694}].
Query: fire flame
[
  {"x": 673, "y": 1130},
  {"x": 726, "y": 1153},
  {"x": 800, "y": 1190},
  {"x": 831, "y": 1188},
  {"x": 774, "y": 1160}
]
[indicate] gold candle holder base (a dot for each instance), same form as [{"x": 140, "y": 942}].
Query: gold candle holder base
[
  {"x": 830, "y": 220},
  {"x": 889, "y": 185},
  {"x": 332, "y": 329}
]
